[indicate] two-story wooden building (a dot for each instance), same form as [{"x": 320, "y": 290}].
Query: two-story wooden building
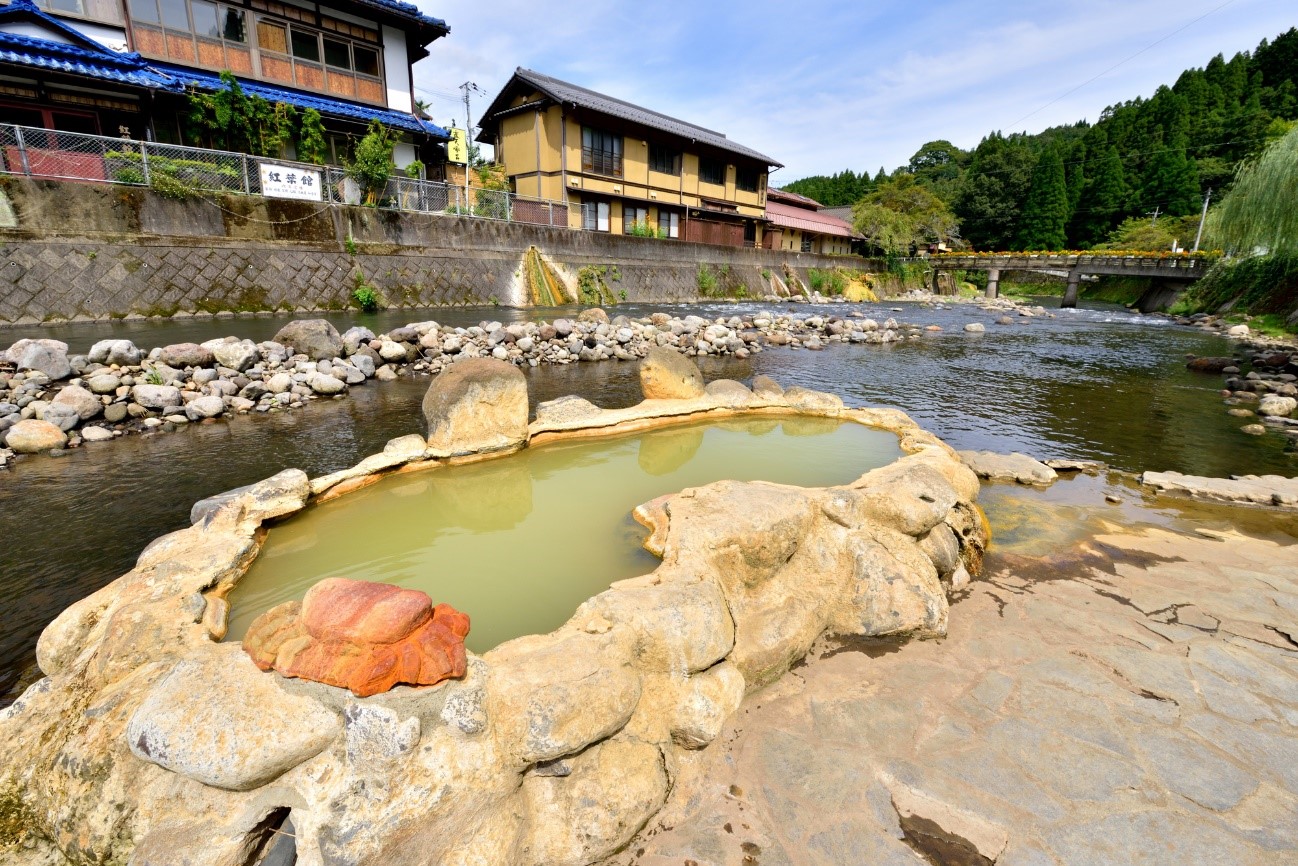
[
  {"x": 124, "y": 67},
  {"x": 619, "y": 166},
  {"x": 805, "y": 225}
]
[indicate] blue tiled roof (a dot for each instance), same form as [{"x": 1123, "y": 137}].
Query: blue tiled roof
[
  {"x": 301, "y": 99},
  {"x": 406, "y": 10}
]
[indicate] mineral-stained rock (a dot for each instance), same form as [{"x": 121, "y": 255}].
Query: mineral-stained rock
[
  {"x": 729, "y": 393},
  {"x": 706, "y": 700},
  {"x": 666, "y": 374},
  {"x": 1008, "y": 467},
  {"x": 30, "y": 436},
  {"x": 476, "y": 405},
  {"x": 367, "y": 637},
  {"x": 216, "y": 720},
  {"x": 315, "y": 338},
  {"x": 766, "y": 387},
  {"x": 813, "y": 401}
]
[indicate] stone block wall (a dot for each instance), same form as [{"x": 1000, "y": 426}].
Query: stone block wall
[{"x": 80, "y": 251}]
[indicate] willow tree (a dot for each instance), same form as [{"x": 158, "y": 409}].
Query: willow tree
[{"x": 1260, "y": 213}]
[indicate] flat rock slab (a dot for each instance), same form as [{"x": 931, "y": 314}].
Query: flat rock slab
[
  {"x": 1008, "y": 467},
  {"x": 1090, "y": 467},
  {"x": 1050, "y": 726},
  {"x": 1272, "y": 490}
]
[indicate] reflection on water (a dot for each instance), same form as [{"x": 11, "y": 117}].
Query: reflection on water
[{"x": 519, "y": 542}]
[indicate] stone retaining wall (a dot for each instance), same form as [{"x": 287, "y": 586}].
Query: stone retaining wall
[{"x": 85, "y": 251}]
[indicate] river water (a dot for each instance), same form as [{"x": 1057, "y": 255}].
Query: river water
[{"x": 1095, "y": 383}]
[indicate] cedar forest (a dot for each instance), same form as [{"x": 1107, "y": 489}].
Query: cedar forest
[{"x": 1086, "y": 185}]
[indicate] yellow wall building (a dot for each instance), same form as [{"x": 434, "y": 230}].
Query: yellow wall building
[{"x": 617, "y": 165}]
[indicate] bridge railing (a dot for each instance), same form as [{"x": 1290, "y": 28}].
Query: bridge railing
[{"x": 1110, "y": 259}]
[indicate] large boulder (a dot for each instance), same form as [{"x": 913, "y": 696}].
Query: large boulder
[
  {"x": 476, "y": 405},
  {"x": 367, "y": 637},
  {"x": 665, "y": 374},
  {"x": 43, "y": 356},
  {"x": 593, "y": 315},
  {"x": 1275, "y": 406},
  {"x": 30, "y": 436},
  {"x": 204, "y": 407},
  {"x": 120, "y": 352},
  {"x": 315, "y": 338},
  {"x": 86, "y": 404},
  {"x": 186, "y": 355},
  {"x": 234, "y": 353}
]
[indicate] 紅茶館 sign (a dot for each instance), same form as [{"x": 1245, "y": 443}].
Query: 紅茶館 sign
[{"x": 284, "y": 181}]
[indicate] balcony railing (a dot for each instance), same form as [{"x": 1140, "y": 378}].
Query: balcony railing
[{"x": 601, "y": 162}]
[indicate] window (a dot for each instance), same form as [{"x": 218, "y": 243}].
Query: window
[
  {"x": 669, "y": 224},
  {"x": 633, "y": 215},
  {"x": 366, "y": 59},
  {"x": 747, "y": 179},
  {"x": 107, "y": 11},
  {"x": 712, "y": 171},
  {"x": 175, "y": 14},
  {"x": 306, "y": 46},
  {"x": 594, "y": 216},
  {"x": 271, "y": 36},
  {"x": 806, "y": 243},
  {"x": 601, "y": 152},
  {"x": 664, "y": 159}
]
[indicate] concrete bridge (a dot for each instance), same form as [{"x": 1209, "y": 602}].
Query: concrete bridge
[{"x": 1174, "y": 271}]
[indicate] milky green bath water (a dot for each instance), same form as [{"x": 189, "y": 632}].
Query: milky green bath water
[{"x": 519, "y": 542}]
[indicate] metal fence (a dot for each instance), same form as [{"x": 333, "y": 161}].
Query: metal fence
[{"x": 48, "y": 153}]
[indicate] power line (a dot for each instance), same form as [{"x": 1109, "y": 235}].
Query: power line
[{"x": 1120, "y": 63}]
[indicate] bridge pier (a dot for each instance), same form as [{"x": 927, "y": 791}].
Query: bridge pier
[
  {"x": 993, "y": 282},
  {"x": 1070, "y": 293}
]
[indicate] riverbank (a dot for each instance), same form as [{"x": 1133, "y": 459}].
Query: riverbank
[
  {"x": 1128, "y": 696},
  {"x": 51, "y": 400}
]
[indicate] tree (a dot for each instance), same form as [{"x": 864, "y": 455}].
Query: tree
[
  {"x": 1102, "y": 201},
  {"x": 1171, "y": 181},
  {"x": 371, "y": 164},
  {"x": 1045, "y": 216},
  {"x": 939, "y": 165},
  {"x": 1259, "y": 214},
  {"x": 995, "y": 186},
  {"x": 901, "y": 212}
]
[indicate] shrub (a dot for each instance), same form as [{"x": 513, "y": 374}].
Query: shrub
[
  {"x": 707, "y": 281},
  {"x": 364, "y": 295},
  {"x": 415, "y": 169},
  {"x": 371, "y": 166},
  {"x": 645, "y": 230},
  {"x": 170, "y": 187}
]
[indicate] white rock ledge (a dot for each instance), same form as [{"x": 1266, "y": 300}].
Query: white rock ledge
[
  {"x": 150, "y": 743},
  {"x": 1272, "y": 490}
]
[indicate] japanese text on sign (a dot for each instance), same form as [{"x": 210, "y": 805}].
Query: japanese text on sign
[{"x": 283, "y": 181}]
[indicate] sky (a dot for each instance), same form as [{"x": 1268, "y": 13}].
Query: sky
[{"x": 824, "y": 86}]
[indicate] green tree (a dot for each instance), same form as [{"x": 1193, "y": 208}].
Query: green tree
[
  {"x": 939, "y": 165},
  {"x": 1259, "y": 212},
  {"x": 1171, "y": 181},
  {"x": 1045, "y": 216},
  {"x": 995, "y": 187},
  {"x": 371, "y": 164},
  {"x": 1102, "y": 201},
  {"x": 311, "y": 144},
  {"x": 901, "y": 212}
]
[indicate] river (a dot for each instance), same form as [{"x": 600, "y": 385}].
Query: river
[{"x": 1095, "y": 383}]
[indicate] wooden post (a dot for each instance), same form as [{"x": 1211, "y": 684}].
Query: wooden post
[{"x": 993, "y": 282}]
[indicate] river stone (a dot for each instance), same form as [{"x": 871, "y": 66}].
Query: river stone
[
  {"x": 767, "y": 388},
  {"x": 476, "y": 405},
  {"x": 86, "y": 404},
  {"x": 729, "y": 393},
  {"x": 813, "y": 401},
  {"x": 44, "y": 356},
  {"x": 61, "y": 415},
  {"x": 315, "y": 338},
  {"x": 123, "y": 353},
  {"x": 355, "y": 337},
  {"x": 1008, "y": 467},
  {"x": 30, "y": 436},
  {"x": 204, "y": 407},
  {"x": 1276, "y": 406},
  {"x": 363, "y": 636},
  {"x": 234, "y": 353},
  {"x": 1209, "y": 365},
  {"x": 115, "y": 412},
  {"x": 666, "y": 374},
  {"x": 156, "y": 396},
  {"x": 96, "y": 434},
  {"x": 186, "y": 355},
  {"x": 276, "y": 496},
  {"x": 216, "y": 719},
  {"x": 975, "y": 327},
  {"x": 566, "y": 409},
  {"x": 594, "y": 315},
  {"x": 322, "y": 384},
  {"x": 279, "y": 383},
  {"x": 1238, "y": 331},
  {"x": 104, "y": 383}
]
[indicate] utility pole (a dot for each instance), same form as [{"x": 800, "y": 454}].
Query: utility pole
[
  {"x": 1202, "y": 218},
  {"x": 1154, "y": 213},
  {"x": 468, "y": 87}
]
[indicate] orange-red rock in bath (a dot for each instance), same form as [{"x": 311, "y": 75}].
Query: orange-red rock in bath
[{"x": 362, "y": 636}]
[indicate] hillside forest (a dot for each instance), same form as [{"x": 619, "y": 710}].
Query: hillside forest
[{"x": 1085, "y": 186}]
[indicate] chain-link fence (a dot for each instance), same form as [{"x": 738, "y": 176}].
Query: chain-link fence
[{"x": 177, "y": 170}]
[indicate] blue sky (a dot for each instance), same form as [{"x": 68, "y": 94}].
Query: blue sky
[{"x": 825, "y": 86}]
